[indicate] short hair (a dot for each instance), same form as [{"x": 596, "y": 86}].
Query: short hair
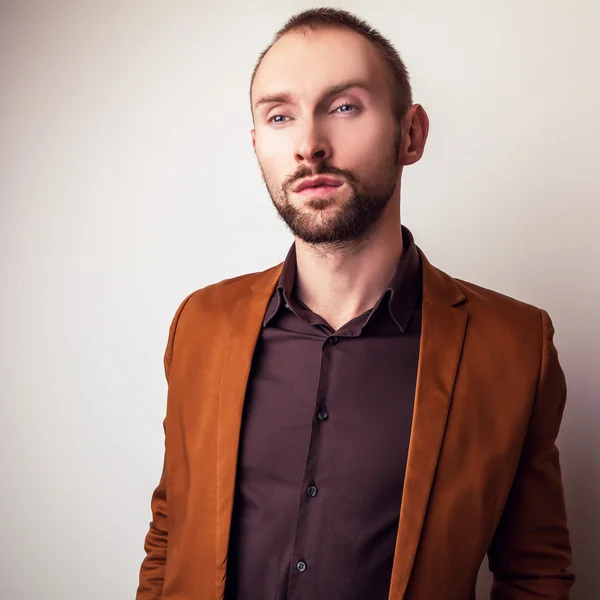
[{"x": 321, "y": 18}]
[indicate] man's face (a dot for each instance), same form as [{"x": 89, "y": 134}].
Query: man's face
[{"x": 305, "y": 127}]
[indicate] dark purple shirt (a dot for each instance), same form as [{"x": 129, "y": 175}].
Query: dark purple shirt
[{"x": 324, "y": 444}]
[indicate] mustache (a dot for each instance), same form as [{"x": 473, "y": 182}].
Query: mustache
[{"x": 304, "y": 171}]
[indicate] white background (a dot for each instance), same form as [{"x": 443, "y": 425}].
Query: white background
[{"x": 127, "y": 180}]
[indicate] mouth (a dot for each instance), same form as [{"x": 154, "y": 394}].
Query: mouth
[
  {"x": 319, "y": 191},
  {"x": 321, "y": 183}
]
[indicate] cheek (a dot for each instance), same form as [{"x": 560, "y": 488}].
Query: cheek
[
  {"x": 273, "y": 152},
  {"x": 365, "y": 148}
]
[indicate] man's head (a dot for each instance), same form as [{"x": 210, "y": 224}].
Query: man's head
[{"x": 330, "y": 96}]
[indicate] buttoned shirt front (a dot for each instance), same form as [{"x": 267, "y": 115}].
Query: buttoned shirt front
[{"x": 324, "y": 444}]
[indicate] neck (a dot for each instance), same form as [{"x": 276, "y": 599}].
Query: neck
[{"x": 343, "y": 282}]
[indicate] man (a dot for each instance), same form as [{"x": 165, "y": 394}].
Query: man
[{"x": 354, "y": 424}]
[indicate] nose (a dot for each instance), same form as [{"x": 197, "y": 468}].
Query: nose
[{"x": 311, "y": 146}]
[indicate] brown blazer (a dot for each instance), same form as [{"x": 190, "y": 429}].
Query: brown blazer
[{"x": 483, "y": 470}]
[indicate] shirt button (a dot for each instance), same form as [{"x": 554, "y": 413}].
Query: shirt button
[
  {"x": 301, "y": 566},
  {"x": 312, "y": 491},
  {"x": 333, "y": 340},
  {"x": 322, "y": 415}
]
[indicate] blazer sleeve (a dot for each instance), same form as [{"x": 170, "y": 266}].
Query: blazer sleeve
[
  {"x": 530, "y": 552},
  {"x": 152, "y": 571}
]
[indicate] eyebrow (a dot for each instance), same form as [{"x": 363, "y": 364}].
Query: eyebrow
[{"x": 287, "y": 97}]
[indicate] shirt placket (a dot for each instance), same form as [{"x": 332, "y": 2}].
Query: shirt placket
[{"x": 304, "y": 559}]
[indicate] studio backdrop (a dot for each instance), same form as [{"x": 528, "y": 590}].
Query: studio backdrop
[{"x": 128, "y": 180}]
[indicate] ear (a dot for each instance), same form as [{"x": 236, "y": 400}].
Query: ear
[
  {"x": 253, "y": 134},
  {"x": 416, "y": 129}
]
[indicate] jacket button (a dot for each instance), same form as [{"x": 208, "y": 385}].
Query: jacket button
[
  {"x": 312, "y": 491},
  {"x": 322, "y": 415}
]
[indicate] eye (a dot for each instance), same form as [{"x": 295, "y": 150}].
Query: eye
[
  {"x": 345, "y": 108},
  {"x": 274, "y": 117}
]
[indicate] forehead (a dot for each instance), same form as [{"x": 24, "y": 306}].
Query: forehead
[{"x": 305, "y": 63}]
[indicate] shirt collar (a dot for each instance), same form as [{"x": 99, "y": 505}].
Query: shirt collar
[{"x": 401, "y": 295}]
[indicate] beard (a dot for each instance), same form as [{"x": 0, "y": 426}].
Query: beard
[{"x": 351, "y": 222}]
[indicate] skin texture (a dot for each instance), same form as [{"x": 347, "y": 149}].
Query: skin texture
[{"x": 349, "y": 239}]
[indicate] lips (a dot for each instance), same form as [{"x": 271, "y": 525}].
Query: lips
[{"x": 319, "y": 181}]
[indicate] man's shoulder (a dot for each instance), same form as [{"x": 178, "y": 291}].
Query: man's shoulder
[
  {"x": 220, "y": 297},
  {"x": 494, "y": 300},
  {"x": 493, "y": 316},
  {"x": 473, "y": 298},
  {"x": 502, "y": 316}
]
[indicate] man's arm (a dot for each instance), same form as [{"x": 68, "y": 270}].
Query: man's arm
[
  {"x": 152, "y": 571},
  {"x": 530, "y": 552}
]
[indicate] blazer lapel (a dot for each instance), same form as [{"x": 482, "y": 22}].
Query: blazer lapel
[
  {"x": 442, "y": 334},
  {"x": 244, "y": 329}
]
